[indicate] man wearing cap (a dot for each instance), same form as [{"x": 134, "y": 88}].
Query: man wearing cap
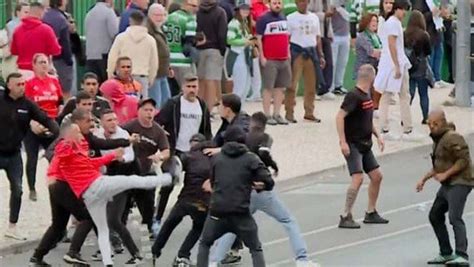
[
  {"x": 182, "y": 116},
  {"x": 153, "y": 148},
  {"x": 193, "y": 201}
]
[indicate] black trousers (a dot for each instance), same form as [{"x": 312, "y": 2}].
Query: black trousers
[
  {"x": 179, "y": 211},
  {"x": 99, "y": 67},
  {"x": 243, "y": 225},
  {"x": 117, "y": 218},
  {"x": 450, "y": 199},
  {"x": 145, "y": 200},
  {"x": 63, "y": 204},
  {"x": 32, "y": 145}
]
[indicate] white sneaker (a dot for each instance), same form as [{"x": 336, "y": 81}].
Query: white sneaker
[
  {"x": 442, "y": 84},
  {"x": 213, "y": 264},
  {"x": 317, "y": 98},
  {"x": 328, "y": 96},
  {"x": 412, "y": 137},
  {"x": 301, "y": 263},
  {"x": 13, "y": 234},
  {"x": 389, "y": 136},
  {"x": 376, "y": 114}
]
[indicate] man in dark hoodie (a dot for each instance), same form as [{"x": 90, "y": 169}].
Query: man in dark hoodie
[
  {"x": 211, "y": 36},
  {"x": 452, "y": 167},
  {"x": 235, "y": 173},
  {"x": 16, "y": 113},
  {"x": 135, "y": 5},
  {"x": 193, "y": 201},
  {"x": 63, "y": 63}
]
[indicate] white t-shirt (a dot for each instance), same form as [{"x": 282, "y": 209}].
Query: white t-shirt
[
  {"x": 189, "y": 123},
  {"x": 303, "y": 29},
  {"x": 393, "y": 27}
]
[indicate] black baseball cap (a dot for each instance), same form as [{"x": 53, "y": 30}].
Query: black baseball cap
[{"x": 145, "y": 101}]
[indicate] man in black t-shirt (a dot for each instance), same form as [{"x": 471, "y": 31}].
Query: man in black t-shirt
[{"x": 355, "y": 129}]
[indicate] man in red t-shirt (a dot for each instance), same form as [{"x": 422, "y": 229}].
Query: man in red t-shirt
[
  {"x": 32, "y": 37},
  {"x": 274, "y": 45}
]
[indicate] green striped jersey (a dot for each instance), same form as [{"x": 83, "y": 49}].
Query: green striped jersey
[
  {"x": 289, "y": 7},
  {"x": 359, "y": 8},
  {"x": 180, "y": 24}
]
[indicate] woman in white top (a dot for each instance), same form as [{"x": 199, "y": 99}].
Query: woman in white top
[
  {"x": 385, "y": 8},
  {"x": 392, "y": 77}
]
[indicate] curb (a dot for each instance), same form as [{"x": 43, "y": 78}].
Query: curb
[{"x": 286, "y": 185}]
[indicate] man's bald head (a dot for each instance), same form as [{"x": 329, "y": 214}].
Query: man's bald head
[{"x": 437, "y": 121}]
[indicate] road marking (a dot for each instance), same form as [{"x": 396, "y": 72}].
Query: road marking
[
  {"x": 364, "y": 241},
  {"x": 335, "y": 226}
]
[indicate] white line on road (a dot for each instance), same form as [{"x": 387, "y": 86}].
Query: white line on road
[
  {"x": 364, "y": 241},
  {"x": 327, "y": 228}
]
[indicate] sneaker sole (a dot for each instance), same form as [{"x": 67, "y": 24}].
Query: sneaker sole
[
  {"x": 70, "y": 260},
  {"x": 370, "y": 222},
  {"x": 348, "y": 227}
]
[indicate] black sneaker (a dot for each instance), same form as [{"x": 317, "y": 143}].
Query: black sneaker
[
  {"x": 72, "y": 258},
  {"x": 182, "y": 262},
  {"x": 35, "y": 262},
  {"x": 134, "y": 260},
  {"x": 374, "y": 218},
  {"x": 348, "y": 222},
  {"x": 118, "y": 248},
  {"x": 231, "y": 259}
]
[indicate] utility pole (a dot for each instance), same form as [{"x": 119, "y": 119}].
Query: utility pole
[{"x": 463, "y": 54}]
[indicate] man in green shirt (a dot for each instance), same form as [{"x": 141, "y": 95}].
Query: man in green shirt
[{"x": 180, "y": 29}]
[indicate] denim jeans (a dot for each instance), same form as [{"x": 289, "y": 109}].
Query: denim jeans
[
  {"x": 270, "y": 203},
  {"x": 450, "y": 199},
  {"x": 422, "y": 85},
  {"x": 436, "y": 58},
  {"x": 13, "y": 166},
  {"x": 160, "y": 91},
  {"x": 340, "y": 55},
  {"x": 143, "y": 80}
]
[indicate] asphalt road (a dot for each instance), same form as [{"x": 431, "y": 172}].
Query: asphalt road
[{"x": 316, "y": 202}]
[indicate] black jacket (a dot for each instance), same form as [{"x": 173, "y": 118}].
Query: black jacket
[
  {"x": 234, "y": 171},
  {"x": 15, "y": 117},
  {"x": 197, "y": 168},
  {"x": 212, "y": 20},
  {"x": 421, "y": 50},
  {"x": 242, "y": 121},
  {"x": 100, "y": 104},
  {"x": 260, "y": 144},
  {"x": 170, "y": 115}
]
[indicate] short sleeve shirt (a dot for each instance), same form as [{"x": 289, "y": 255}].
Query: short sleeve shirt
[
  {"x": 304, "y": 29},
  {"x": 358, "y": 122},
  {"x": 273, "y": 28},
  {"x": 393, "y": 27},
  {"x": 151, "y": 140}
]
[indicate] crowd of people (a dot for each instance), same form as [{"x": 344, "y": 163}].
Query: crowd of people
[{"x": 141, "y": 115}]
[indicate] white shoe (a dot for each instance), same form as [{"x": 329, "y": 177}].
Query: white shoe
[
  {"x": 13, "y": 234},
  {"x": 412, "y": 137},
  {"x": 376, "y": 114},
  {"x": 389, "y": 136},
  {"x": 317, "y": 98},
  {"x": 328, "y": 96},
  {"x": 301, "y": 263},
  {"x": 213, "y": 264},
  {"x": 442, "y": 84}
]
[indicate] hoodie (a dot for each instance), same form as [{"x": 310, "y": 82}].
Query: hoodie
[
  {"x": 124, "y": 106},
  {"x": 234, "y": 170},
  {"x": 212, "y": 21},
  {"x": 139, "y": 46},
  {"x": 31, "y": 37}
]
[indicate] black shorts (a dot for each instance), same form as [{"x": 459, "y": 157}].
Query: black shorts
[{"x": 360, "y": 162}]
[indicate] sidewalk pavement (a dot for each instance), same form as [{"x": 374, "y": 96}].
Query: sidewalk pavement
[{"x": 299, "y": 149}]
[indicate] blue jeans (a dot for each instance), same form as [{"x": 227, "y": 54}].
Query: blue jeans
[
  {"x": 422, "y": 84},
  {"x": 436, "y": 58},
  {"x": 160, "y": 91},
  {"x": 341, "y": 46},
  {"x": 270, "y": 203},
  {"x": 13, "y": 166}
]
